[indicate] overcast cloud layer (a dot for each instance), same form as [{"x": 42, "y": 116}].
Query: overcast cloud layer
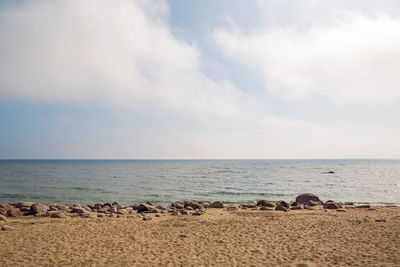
[{"x": 126, "y": 58}]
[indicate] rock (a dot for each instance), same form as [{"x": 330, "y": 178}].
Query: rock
[
  {"x": 178, "y": 205},
  {"x": 297, "y": 207},
  {"x": 3, "y": 218},
  {"x": 265, "y": 203},
  {"x": 332, "y": 205},
  {"x": 341, "y": 210},
  {"x": 233, "y": 207},
  {"x": 114, "y": 209},
  {"x": 189, "y": 208},
  {"x": 146, "y": 208},
  {"x": 135, "y": 206},
  {"x": 303, "y": 198},
  {"x": 6, "y": 206},
  {"x": 23, "y": 204},
  {"x": 79, "y": 210},
  {"x": 184, "y": 212},
  {"x": 363, "y": 206},
  {"x": 160, "y": 207},
  {"x": 349, "y": 203},
  {"x": 14, "y": 213},
  {"x": 123, "y": 211},
  {"x": 61, "y": 207},
  {"x": 204, "y": 204},
  {"x": 147, "y": 217},
  {"x": 197, "y": 213},
  {"x": 197, "y": 206},
  {"x": 3, "y": 211},
  {"x": 282, "y": 203},
  {"x": 58, "y": 215},
  {"x": 39, "y": 208},
  {"x": 6, "y": 227},
  {"x": 40, "y": 214},
  {"x": 217, "y": 205},
  {"x": 251, "y": 205},
  {"x": 313, "y": 203},
  {"x": 187, "y": 204},
  {"x": 281, "y": 208},
  {"x": 175, "y": 213}
]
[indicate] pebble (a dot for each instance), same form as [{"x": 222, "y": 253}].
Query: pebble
[
  {"x": 6, "y": 227},
  {"x": 147, "y": 217}
]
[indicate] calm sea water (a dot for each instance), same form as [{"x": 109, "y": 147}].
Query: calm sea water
[{"x": 163, "y": 181}]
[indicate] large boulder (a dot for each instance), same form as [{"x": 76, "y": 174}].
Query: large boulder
[
  {"x": 217, "y": 205},
  {"x": 332, "y": 205},
  {"x": 14, "y": 213},
  {"x": 264, "y": 203},
  {"x": 303, "y": 198},
  {"x": 39, "y": 208},
  {"x": 146, "y": 208}
]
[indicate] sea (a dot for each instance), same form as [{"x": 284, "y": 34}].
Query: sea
[{"x": 231, "y": 181}]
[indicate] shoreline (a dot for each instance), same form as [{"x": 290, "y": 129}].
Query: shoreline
[{"x": 228, "y": 236}]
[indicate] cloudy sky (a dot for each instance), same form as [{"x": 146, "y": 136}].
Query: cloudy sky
[{"x": 199, "y": 79}]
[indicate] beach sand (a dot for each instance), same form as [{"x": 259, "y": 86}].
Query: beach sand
[{"x": 356, "y": 237}]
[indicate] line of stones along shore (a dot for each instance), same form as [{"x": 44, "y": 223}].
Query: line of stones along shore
[{"x": 304, "y": 201}]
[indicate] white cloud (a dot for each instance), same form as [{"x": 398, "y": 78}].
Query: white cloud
[
  {"x": 109, "y": 52},
  {"x": 353, "y": 58}
]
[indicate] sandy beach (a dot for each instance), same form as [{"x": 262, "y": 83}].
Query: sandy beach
[{"x": 220, "y": 237}]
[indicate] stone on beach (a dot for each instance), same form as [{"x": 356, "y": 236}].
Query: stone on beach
[
  {"x": 178, "y": 205},
  {"x": 147, "y": 217},
  {"x": 39, "y": 208},
  {"x": 23, "y": 204},
  {"x": 6, "y": 227},
  {"x": 14, "y": 213},
  {"x": 282, "y": 203},
  {"x": 265, "y": 203},
  {"x": 3, "y": 218},
  {"x": 6, "y": 206},
  {"x": 303, "y": 198},
  {"x": 146, "y": 208},
  {"x": 217, "y": 205},
  {"x": 332, "y": 205},
  {"x": 3, "y": 211}
]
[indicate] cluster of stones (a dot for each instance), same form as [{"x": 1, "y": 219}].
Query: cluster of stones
[
  {"x": 143, "y": 210},
  {"x": 146, "y": 210}
]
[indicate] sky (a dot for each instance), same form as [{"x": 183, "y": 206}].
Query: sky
[{"x": 226, "y": 79}]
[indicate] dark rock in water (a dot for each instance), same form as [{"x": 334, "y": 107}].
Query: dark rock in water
[
  {"x": 283, "y": 204},
  {"x": 281, "y": 208},
  {"x": 329, "y": 172},
  {"x": 39, "y": 208},
  {"x": 146, "y": 207},
  {"x": 217, "y": 205},
  {"x": 6, "y": 206},
  {"x": 332, "y": 205},
  {"x": 303, "y": 198},
  {"x": 264, "y": 203},
  {"x": 14, "y": 213}
]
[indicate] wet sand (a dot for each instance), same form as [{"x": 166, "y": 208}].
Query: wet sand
[{"x": 356, "y": 237}]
